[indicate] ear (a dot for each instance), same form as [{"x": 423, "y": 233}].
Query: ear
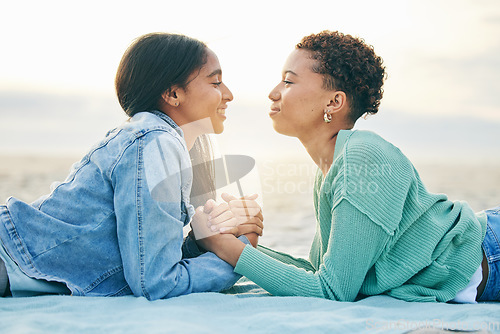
[
  {"x": 171, "y": 97},
  {"x": 338, "y": 101}
]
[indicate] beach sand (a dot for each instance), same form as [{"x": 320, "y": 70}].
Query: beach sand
[
  {"x": 286, "y": 190},
  {"x": 28, "y": 177}
]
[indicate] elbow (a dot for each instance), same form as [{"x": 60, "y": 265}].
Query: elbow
[
  {"x": 152, "y": 295},
  {"x": 156, "y": 288}
]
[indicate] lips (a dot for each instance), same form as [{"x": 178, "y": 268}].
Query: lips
[
  {"x": 274, "y": 111},
  {"x": 221, "y": 111}
]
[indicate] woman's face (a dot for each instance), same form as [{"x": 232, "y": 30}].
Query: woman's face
[
  {"x": 299, "y": 100},
  {"x": 206, "y": 97}
]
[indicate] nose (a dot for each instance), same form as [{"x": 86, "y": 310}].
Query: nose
[
  {"x": 275, "y": 94},
  {"x": 226, "y": 93}
]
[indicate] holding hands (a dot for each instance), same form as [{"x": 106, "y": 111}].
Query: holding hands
[
  {"x": 216, "y": 226},
  {"x": 235, "y": 216}
]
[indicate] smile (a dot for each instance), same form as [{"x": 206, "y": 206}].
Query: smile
[{"x": 221, "y": 111}]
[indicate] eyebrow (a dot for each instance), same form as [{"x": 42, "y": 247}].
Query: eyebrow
[
  {"x": 217, "y": 71},
  {"x": 290, "y": 71}
]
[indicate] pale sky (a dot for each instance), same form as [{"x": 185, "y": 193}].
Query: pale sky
[{"x": 442, "y": 57}]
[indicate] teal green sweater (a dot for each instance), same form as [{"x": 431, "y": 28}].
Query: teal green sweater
[{"x": 378, "y": 231}]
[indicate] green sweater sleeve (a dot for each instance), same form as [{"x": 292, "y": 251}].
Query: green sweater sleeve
[
  {"x": 287, "y": 259},
  {"x": 354, "y": 244}
]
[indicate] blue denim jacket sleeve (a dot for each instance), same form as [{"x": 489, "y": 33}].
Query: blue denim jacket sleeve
[{"x": 152, "y": 182}]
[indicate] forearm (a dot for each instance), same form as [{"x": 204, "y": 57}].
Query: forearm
[
  {"x": 281, "y": 279},
  {"x": 231, "y": 251},
  {"x": 287, "y": 259},
  {"x": 204, "y": 273},
  {"x": 226, "y": 247},
  {"x": 253, "y": 238}
]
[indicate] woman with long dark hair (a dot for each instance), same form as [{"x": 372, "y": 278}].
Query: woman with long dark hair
[{"x": 115, "y": 225}]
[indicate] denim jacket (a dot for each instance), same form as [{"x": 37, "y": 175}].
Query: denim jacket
[{"x": 115, "y": 225}]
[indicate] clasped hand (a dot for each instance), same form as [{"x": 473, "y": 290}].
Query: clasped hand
[{"x": 234, "y": 216}]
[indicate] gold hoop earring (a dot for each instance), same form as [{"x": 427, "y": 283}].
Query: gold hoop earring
[{"x": 327, "y": 117}]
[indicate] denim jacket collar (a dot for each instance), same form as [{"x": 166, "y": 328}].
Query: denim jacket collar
[{"x": 170, "y": 122}]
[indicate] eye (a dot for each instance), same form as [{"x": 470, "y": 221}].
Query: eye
[
  {"x": 286, "y": 82},
  {"x": 218, "y": 83}
]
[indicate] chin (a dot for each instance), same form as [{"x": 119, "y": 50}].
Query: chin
[
  {"x": 218, "y": 128},
  {"x": 217, "y": 124},
  {"x": 281, "y": 131}
]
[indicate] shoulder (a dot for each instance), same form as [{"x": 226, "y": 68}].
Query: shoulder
[
  {"x": 374, "y": 176},
  {"x": 368, "y": 142},
  {"x": 366, "y": 149},
  {"x": 143, "y": 137},
  {"x": 366, "y": 154},
  {"x": 148, "y": 124},
  {"x": 140, "y": 131}
]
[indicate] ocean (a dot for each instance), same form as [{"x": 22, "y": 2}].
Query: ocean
[{"x": 284, "y": 186}]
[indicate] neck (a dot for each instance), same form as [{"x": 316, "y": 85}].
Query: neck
[
  {"x": 189, "y": 140},
  {"x": 321, "y": 144},
  {"x": 321, "y": 148},
  {"x": 193, "y": 130}
]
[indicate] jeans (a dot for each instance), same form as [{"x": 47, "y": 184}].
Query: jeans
[
  {"x": 4, "y": 279},
  {"x": 23, "y": 286},
  {"x": 491, "y": 247}
]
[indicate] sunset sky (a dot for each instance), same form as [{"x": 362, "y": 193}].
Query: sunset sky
[{"x": 59, "y": 59}]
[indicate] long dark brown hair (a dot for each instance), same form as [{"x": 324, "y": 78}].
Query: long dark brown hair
[{"x": 152, "y": 65}]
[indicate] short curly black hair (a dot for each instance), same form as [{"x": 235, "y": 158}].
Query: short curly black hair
[{"x": 350, "y": 65}]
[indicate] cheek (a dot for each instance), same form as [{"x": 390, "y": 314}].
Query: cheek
[
  {"x": 296, "y": 102},
  {"x": 218, "y": 97},
  {"x": 302, "y": 110},
  {"x": 213, "y": 98}
]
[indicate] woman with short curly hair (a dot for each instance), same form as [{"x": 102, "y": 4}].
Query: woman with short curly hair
[
  {"x": 357, "y": 70},
  {"x": 378, "y": 230}
]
